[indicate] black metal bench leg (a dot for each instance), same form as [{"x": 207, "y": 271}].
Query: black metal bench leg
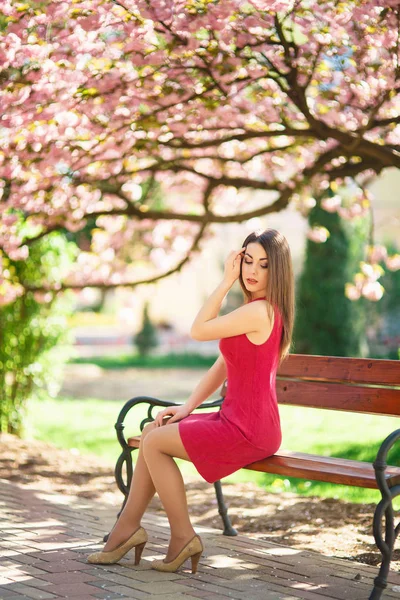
[
  {"x": 228, "y": 529},
  {"x": 384, "y": 507},
  {"x": 386, "y": 547}
]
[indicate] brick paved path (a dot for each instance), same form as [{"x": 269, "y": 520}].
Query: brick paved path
[{"x": 45, "y": 538}]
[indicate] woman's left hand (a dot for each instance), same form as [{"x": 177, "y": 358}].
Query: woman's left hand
[{"x": 232, "y": 265}]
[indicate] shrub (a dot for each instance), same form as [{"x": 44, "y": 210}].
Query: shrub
[{"x": 34, "y": 341}]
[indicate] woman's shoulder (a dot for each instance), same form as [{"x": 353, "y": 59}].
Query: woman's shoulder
[
  {"x": 263, "y": 305},
  {"x": 273, "y": 312}
]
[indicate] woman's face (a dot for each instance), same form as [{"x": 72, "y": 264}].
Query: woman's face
[{"x": 255, "y": 267}]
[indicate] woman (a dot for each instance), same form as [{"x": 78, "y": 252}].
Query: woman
[{"x": 254, "y": 339}]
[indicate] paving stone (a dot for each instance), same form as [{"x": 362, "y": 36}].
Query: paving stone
[
  {"x": 78, "y": 577},
  {"x": 34, "y": 593},
  {"x": 8, "y": 553},
  {"x": 6, "y": 594},
  {"x": 13, "y": 597},
  {"x": 37, "y": 583},
  {"x": 21, "y": 559},
  {"x": 102, "y": 584},
  {"x": 17, "y": 578},
  {"x": 221, "y": 591},
  {"x": 159, "y": 588},
  {"x": 29, "y": 570},
  {"x": 118, "y": 579},
  {"x": 105, "y": 596},
  {"x": 157, "y": 576},
  {"x": 128, "y": 592},
  {"x": 136, "y": 594},
  {"x": 63, "y": 566},
  {"x": 199, "y": 593},
  {"x": 185, "y": 596},
  {"x": 57, "y": 555},
  {"x": 72, "y": 589},
  {"x": 85, "y": 597}
]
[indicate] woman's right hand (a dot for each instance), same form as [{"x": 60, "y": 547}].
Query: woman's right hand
[{"x": 177, "y": 413}]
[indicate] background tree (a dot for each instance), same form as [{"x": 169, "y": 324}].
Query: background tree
[
  {"x": 384, "y": 330},
  {"x": 150, "y": 119},
  {"x": 327, "y": 322}
]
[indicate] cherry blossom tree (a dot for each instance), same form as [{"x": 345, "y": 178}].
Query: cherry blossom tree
[{"x": 149, "y": 121}]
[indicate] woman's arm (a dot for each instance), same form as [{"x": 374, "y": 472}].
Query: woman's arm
[
  {"x": 245, "y": 319},
  {"x": 248, "y": 318},
  {"x": 213, "y": 379},
  {"x": 210, "y": 382}
]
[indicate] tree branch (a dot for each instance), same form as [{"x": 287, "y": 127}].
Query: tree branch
[
  {"x": 247, "y": 135},
  {"x": 107, "y": 286}
]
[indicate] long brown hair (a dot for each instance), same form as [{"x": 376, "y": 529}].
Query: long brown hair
[{"x": 280, "y": 281}]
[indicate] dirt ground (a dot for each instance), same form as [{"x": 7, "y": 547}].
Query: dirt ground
[{"x": 328, "y": 526}]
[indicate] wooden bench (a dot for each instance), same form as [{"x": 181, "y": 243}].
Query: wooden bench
[{"x": 335, "y": 383}]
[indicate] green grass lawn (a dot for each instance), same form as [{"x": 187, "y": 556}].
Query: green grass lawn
[
  {"x": 88, "y": 425},
  {"x": 168, "y": 361}
]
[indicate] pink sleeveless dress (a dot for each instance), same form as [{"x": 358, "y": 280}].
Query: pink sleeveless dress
[{"x": 247, "y": 427}]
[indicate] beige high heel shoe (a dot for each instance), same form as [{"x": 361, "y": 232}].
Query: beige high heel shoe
[
  {"x": 193, "y": 550},
  {"x": 137, "y": 540}
]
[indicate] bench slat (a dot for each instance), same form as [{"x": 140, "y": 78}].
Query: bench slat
[
  {"x": 134, "y": 441},
  {"x": 351, "y": 370},
  {"x": 319, "y": 468},
  {"x": 323, "y": 468},
  {"x": 335, "y": 396}
]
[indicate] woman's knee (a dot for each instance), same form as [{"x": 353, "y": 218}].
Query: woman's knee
[
  {"x": 151, "y": 441},
  {"x": 148, "y": 428}
]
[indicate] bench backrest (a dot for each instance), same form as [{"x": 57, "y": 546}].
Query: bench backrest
[{"x": 362, "y": 385}]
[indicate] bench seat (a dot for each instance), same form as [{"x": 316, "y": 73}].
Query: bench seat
[{"x": 318, "y": 468}]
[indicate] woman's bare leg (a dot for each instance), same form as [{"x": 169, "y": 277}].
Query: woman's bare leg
[
  {"x": 141, "y": 492},
  {"x": 159, "y": 448}
]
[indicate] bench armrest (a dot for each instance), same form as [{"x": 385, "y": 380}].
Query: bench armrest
[{"x": 152, "y": 402}]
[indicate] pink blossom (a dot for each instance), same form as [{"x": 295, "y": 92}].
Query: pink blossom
[
  {"x": 372, "y": 272},
  {"x": 331, "y": 204},
  {"x": 352, "y": 292},
  {"x": 67, "y": 118},
  {"x": 9, "y": 219},
  {"x": 393, "y": 262},
  {"x": 20, "y": 253},
  {"x": 318, "y": 234},
  {"x": 43, "y": 297},
  {"x": 373, "y": 291},
  {"x": 376, "y": 253}
]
